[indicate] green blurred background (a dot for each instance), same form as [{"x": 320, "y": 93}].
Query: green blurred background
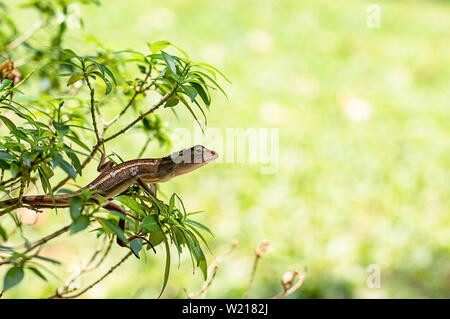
[{"x": 364, "y": 164}]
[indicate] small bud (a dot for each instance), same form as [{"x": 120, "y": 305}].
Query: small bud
[
  {"x": 8, "y": 71},
  {"x": 266, "y": 247},
  {"x": 234, "y": 242},
  {"x": 258, "y": 252},
  {"x": 286, "y": 279}
]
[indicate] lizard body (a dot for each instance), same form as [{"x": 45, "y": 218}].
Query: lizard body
[{"x": 114, "y": 180}]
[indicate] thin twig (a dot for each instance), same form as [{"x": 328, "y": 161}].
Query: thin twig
[
  {"x": 252, "y": 276},
  {"x": 92, "y": 108},
  {"x": 300, "y": 279},
  {"x": 83, "y": 165},
  {"x": 65, "y": 289},
  {"x": 48, "y": 238},
  {"x": 144, "y": 148},
  {"x": 264, "y": 247},
  {"x": 97, "y": 146},
  {"x": 100, "y": 279},
  {"x": 41, "y": 242},
  {"x": 25, "y": 36},
  {"x": 22, "y": 189},
  {"x": 137, "y": 91},
  {"x": 108, "y": 249},
  {"x": 212, "y": 270},
  {"x": 142, "y": 115}
]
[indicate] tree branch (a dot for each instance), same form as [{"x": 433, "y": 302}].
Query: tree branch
[
  {"x": 25, "y": 36},
  {"x": 97, "y": 281},
  {"x": 92, "y": 108},
  {"x": 300, "y": 279},
  {"x": 65, "y": 289},
  {"x": 212, "y": 270},
  {"x": 137, "y": 91},
  {"x": 140, "y": 117},
  {"x": 48, "y": 238}
]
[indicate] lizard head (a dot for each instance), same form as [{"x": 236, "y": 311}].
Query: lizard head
[{"x": 184, "y": 161}]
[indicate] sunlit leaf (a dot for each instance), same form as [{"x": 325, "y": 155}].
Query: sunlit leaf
[
  {"x": 169, "y": 61},
  {"x": 136, "y": 246},
  {"x": 12, "y": 278},
  {"x": 80, "y": 223},
  {"x": 157, "y": 46}
]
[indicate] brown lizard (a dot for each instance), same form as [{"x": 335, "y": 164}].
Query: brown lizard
[{"x": 114, "y": 179}]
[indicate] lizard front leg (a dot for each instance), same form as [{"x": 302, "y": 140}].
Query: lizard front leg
[
  {"x": 103, "y": 165},
  {"x": 151, "y": 189}
]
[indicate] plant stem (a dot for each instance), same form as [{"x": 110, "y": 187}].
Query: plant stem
[{"x": 99, "y": 280}]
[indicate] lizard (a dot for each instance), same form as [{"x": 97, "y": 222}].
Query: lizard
[{"x": 115, "y": 179}]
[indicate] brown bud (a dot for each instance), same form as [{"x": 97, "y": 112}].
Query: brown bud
[
  {"x": 9, "y": 72},
  {"x": 266, "y": 247},
  {"x": 287, "y": 279}
]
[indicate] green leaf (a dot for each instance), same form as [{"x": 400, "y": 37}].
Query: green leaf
[
  {"x": 155, "y": 239},
  {"x": 64, "y": 165},
  {"x": 26, "y": 157},
  {"x": 172, "y": 203},
  {"x": 202, "y": 74},
  {"x": 171, "y": 102},
  {"x": 157, "y": 46},
  {"x": 75, "y": 207},
  {"x": 190, "y": 91},
  {"x": 202, "y": 264},
  {"x": 198, "y": 234},
  {"x": 169, "y": 61},
  {"x": 197, "y": 224},
  {"x": 75, "y": 161},
  {"x": 6, "y": 156},
  {"x": 150, "y": 224},
  {"x": 201, "y": 91},
  {"x": 67, "y": 54},
  {"x": 108, "y": 86},
  {"x": 53, "y": 261},
  {"x": 21, "y": 134},
  {"x": 136, "y": 246},
  {"x": 61, "y": 128},
  {"x": 112, "y": 227},
  {"x": 161, "y": 208},
  {"x": 37, "y": 273},
  {"x": 3, "y": 233},
  {"x": 4, "y": 165},
  {"x": 44, "y": 180},
  {"x": 79, "y": 224},
  {"x": 194, "y": 247},
  {"x": 131, "y": 204},
  {"x": 191, "y": 111},
  {"x": 12, "y": 278},
  {"x": 11, "y": 126},
  {"x": 77, "y": 140},
  {"x": 5, "y": 83},
  {"x": 74, "y": 78},
  {"x": 167, "y": 267},
  {"x": 214, "y": 68}
]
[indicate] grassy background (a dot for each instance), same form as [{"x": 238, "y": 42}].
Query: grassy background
[{"x": 364, "y": 147}]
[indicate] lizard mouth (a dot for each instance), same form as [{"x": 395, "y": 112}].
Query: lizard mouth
[{"x": 210, "y": 156}]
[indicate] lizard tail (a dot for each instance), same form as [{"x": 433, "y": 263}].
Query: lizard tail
[{"x": 38, "y": 201}]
